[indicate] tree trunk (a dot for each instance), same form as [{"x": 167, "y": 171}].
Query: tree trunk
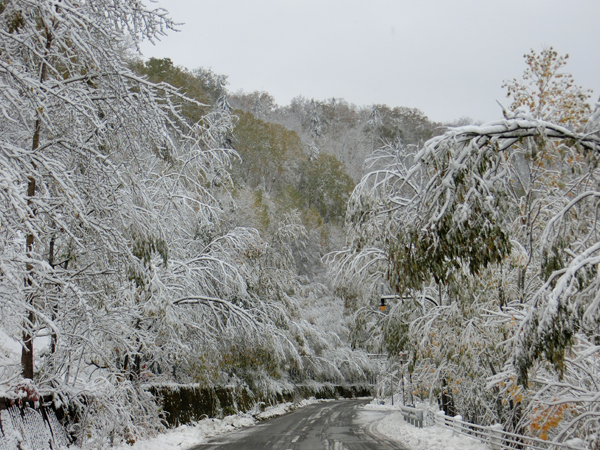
[{"x": 27, "y": 349}]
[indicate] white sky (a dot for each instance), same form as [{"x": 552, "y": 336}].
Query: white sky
[{"x": 446, "y": 57}]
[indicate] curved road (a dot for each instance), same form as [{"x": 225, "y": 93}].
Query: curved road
[{"x": 338, "y": 425}]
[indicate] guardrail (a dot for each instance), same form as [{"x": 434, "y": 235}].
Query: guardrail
[
  {"x": 494, "y": 435},
  {"x": 413, "y": 416}
]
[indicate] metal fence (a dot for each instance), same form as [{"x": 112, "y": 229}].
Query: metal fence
[
  {"x": 494, "y": 435},
  {"x": 413, "y": 416}
]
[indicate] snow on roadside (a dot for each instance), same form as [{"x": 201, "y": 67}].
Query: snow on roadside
[
  {"x": 377, "y": 407},
  {"x": 394, "y": 427},
  {"x": 282, "y": 408},
  {"x": 186, "y": 436}
]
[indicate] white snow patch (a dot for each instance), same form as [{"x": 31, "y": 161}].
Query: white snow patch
[
  {"x": 8, "y": 344},
  {"x": 376, "y": 407},
  {"x": 394, "y": 427},
  {"x": 10, "y": 358}
]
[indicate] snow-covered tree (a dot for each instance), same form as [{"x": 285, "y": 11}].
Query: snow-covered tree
[
  {"x": 107, "y": 209},
  {"x": 547, "y": 92},
  {"x": 74, "y": 116},
  {"x": 497, "y": 224}
]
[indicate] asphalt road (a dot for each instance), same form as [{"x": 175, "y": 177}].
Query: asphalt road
[{"x": 338, "y": 425}]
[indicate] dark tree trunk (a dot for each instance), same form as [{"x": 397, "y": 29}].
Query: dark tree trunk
[{"x": 27, "y": 349}]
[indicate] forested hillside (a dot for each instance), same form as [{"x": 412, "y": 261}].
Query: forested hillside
[{"x": 340, "y": 129}]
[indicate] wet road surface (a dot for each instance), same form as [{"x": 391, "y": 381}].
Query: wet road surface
[{"x": 338, "y": 425}]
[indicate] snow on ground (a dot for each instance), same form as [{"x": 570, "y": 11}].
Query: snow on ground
[
  {"x": 186, "y": 436},
  {"x": 394, "y": 427},
  {"x": 434, "y": 437},
  {"x": 382, "y": 407}
]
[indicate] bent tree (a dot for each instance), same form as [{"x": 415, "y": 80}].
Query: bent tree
[
  {"x": 117, "y": 263},
  {"x": 104, "y": 192},
  {"x": 73, "y": 115},
  {"x": 497, "y": 223}
]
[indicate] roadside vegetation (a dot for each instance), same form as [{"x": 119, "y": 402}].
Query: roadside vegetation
[{"x": 487, "y": 239}]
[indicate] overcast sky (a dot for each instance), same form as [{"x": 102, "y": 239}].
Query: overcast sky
[{"x": 446, "y": 57}]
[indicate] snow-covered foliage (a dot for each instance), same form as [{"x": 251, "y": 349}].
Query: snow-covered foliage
[
  {"x": 117, "y": 264},
  {"x": 497, "y": 225},
  {"x": 338, "y": 128}
]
